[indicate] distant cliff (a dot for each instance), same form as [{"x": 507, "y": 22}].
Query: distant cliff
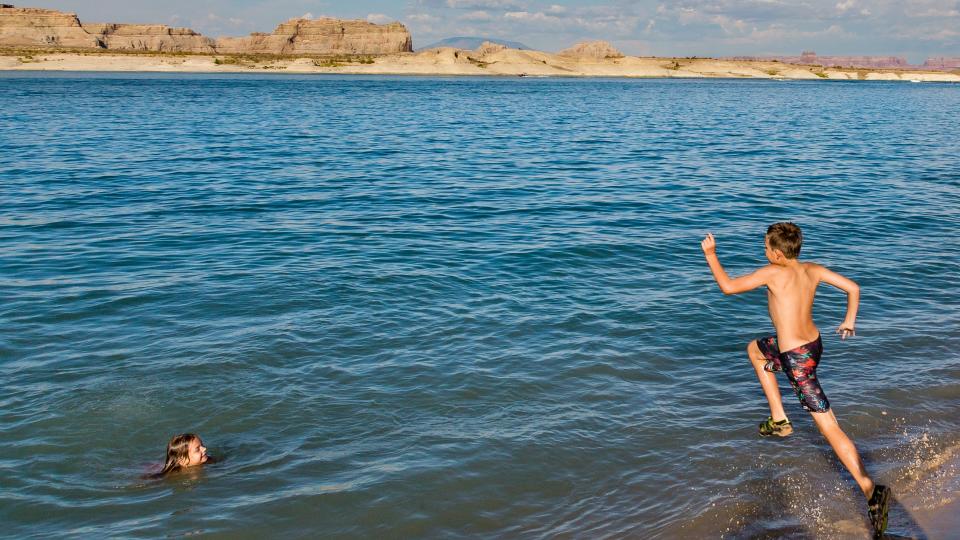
[
  {"x": 26, "y": 27},
  {"x": 883, "y": 62},
  {"x": 323, "y": 36},
  {"x": 30, "y": 27},
  {"x": 148, "y": 37},
  {"x": 870, "y": 62},
  {"x": 592, "y": 49},
  {"x": 942, "y": 63}
]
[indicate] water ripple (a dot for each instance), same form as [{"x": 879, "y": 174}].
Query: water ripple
[{"x": 416, "y": 307}]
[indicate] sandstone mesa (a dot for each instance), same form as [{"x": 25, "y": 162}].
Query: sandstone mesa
[
  {"x": 32, "y": 27},
  {"x": 592, "y": 49}
]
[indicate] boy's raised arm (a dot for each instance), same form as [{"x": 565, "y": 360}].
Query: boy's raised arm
[
  {"x": 727, "y": 285},
  {"x": 847, "y": 328}
]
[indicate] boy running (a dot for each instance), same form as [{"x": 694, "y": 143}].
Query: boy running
[{"x": 796, "y": 347}]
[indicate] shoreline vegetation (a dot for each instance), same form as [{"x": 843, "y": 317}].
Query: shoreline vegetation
[{"x": 489, "y": 61}]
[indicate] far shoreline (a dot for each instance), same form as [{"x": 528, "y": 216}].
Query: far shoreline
[
  {"x": 451, "y": 62},
  {"x": 334, "y": 75}
]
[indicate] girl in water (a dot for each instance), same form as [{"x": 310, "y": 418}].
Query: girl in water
[{"x": 183, "y": 451}]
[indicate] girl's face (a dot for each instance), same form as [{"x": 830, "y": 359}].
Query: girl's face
[{"x": 196, "y": 453}]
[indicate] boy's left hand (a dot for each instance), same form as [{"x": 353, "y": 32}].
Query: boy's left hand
[{"x": 846, "y": 330}]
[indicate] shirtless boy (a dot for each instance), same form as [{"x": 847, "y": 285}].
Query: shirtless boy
[{"x": 796, "y": 347}]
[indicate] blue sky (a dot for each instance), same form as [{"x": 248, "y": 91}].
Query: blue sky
[{"x": 912, "y": 28}]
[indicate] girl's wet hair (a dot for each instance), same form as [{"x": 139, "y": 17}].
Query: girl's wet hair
[{"x": 178, "y": 450}]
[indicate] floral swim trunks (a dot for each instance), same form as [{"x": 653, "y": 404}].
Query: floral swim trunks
[{"x": 800, "y": 367}]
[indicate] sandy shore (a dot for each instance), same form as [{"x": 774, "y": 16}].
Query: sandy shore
[
  {"x": 449, "y": 61},
  {"x": 927, "y": 496}
]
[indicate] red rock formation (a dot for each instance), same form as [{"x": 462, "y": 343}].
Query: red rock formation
[
  {"x": 890, "y": 62},
  {"x": 592, "y": 49},
  {"x": 488, "y": 47},
  {"x": 323, "y": 36},
  {"x": 811, "y": 58},
  {"x": 942, "y": 63},
  {"x": 27, "y": 27},
  {"x": 149, "y": 37}
]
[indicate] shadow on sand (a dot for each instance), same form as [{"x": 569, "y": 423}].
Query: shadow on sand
[
  {"x": 767, "y": 523},
  {"x": 901, "y": 524}
]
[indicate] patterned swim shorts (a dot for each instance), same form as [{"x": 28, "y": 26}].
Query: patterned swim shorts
[{"x": 800, "y": 367}]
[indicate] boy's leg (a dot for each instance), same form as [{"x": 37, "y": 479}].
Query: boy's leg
[
  {"x": 844, "y": 448},
  {"x": 768, "y": 381}
]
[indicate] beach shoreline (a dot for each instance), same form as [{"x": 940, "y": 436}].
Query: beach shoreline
[{"x": 451, "y": 62}]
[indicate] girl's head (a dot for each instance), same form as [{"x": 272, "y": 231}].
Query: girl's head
[{"x": 183, "y": 451}]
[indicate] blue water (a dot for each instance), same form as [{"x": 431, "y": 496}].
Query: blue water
[{"x": 456, "y": 307}]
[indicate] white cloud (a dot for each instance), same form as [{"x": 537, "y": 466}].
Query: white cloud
[
  {"x": 776, "y": 33},
  {"x": 633, "y": 47},
  {"x": 729, "y": 25},
  {"x": 426, "y": 26},
  {"x": 689, "y": 15},
  {"x": 526, "y": 16},
  {"x": 499, "y": 5},
  {"x": 943, "y": 35},
  {"x": 476, "y": 16},
  {"x": 379, "y": 18},
  {"x": 595, "y": 22},
  {"x": 931, "y": 8},
  {"x": 846, "y": 5},
  {"x": 423, "y": 18},
  {"x": 935, "y": 13}
]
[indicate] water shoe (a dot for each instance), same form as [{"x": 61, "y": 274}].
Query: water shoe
[
  {"x": 780, "y": 428},
  {"x": 878, "y": 506}
]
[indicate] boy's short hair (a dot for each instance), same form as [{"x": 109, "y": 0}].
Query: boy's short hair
[{"x": 786, "y": 237}]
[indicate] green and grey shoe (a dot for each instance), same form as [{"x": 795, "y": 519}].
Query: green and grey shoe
[
  {"x": 878, "y": 507},
  {"x": 781, "y": 428}
]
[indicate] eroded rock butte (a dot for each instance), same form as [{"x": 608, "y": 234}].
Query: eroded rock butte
[{"x": 32, "y": 27}]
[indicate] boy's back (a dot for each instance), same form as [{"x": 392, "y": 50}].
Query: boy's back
[{"x": 790, "y": 292}]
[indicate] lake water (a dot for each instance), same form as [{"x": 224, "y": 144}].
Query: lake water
[{"x": 457, "y": 307}]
